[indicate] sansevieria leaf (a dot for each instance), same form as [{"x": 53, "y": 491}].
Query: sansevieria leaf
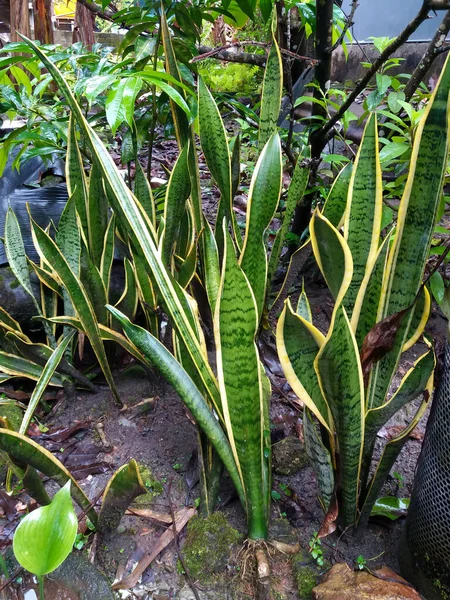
[
  {"x": 271, "y": 95},
  {"x": 45, "y": 537}
]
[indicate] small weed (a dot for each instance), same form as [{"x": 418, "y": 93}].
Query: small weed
[
  {"x": 275, "y": 495},
  {"x": 177, "y": 466},
  {"x": 400, "y": 479},
  {"x": 315, "y": 549},
  {"x": 361, "y": 562}
]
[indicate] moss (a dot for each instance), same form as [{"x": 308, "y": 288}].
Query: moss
[
  {"x": 209, "y": 544},
  {"x": 154, "y": 486},
  {"x": 306, "y": 573},
  {"x": 13, "y": 413}
]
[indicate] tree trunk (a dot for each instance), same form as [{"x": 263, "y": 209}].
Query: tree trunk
[
  {"x": 83, "y": 30},
  {"x": 43, "y": 26},
  {"x": 20, "y": 19}
]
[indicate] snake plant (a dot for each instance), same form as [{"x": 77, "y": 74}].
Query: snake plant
[{"x": 380, "y": 310}]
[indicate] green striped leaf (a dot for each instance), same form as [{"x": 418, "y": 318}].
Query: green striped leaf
[
  {"x": 336, "y": 202},
  {"x": 157, "y": 355},
  {"x": 143, "y": 192},
  {"x": 97, "y": 214},
  {"x": 178, "y": 190},
  {"x": 303, "y": 306},
  {"x": 128, "y": 302},
  {"x": 139, "y": 228},
  {"x": 211, "y": 266},
  {"x": 415, "y": 225},
  {"x": 213, "y": 139},
  {"x": 271, "y": 95},
  {"x": 298, "y": 343},
  {"x": 264, "y": 194},
  {"x": 332, "y": 255},
  {"x": 319, "y": 457},
  {"x": 340, "y": 377},
  {"x": 419, "y": 319},
  {"x": 68, "y": 240},
  {"x": 297, "y": 188},
  {"x": 76, "y": 179},
  {"x": 43, "y": 381},
  {"x": 108, "y": 252},
  {"x": 362, "y": 223},
  {"x": 93, "y": 284},
  {"x": 24, "y": 450},
  {"x": 7, "y": 321},
  {"x": 235, "y": 327},
  {"x": 78, "y": 296},
  {"x": 15, "y": 253}
]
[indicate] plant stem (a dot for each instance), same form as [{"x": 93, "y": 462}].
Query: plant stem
[
  {"x": 41, "y": 587},
  {"x": 3, "y": 566}
]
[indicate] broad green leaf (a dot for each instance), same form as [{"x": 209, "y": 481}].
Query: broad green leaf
[
  {"x": 156, "y": 355},
  {"x": 98, "y": 84},
  {"x": 393, "y": 150},
  {"x": 239, "y": 375},
  {"x": 113, "y": 106},
  {"x": 298, "y": 343},
  {"x": 43, "y": 381},
  {"x": 45, "y": 537},
  {"x": 264, "y": 194},
  {"x": 123, "y": 487},
  {"x": 24, "y": 450},
  {"x": 271, "y": 95},
  {"x": 437, "y": 286},
  {"x": 390, "y": 507},
  {"x": 340, "y": 378},
  {"x": 362, "y": 224}
]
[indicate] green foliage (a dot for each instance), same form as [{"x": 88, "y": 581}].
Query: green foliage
[{"x": 233, "y": 78}]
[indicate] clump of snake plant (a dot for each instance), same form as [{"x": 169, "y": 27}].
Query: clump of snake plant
[
  {"x": 175, "y": 257},
  {"x": 381, "y": 308}
]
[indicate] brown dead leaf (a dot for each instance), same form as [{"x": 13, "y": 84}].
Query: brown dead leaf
[
  {"x": 380, "y": 340},
  {"x": 329, "y": 522},
  {"x": 389, "y": 433}
]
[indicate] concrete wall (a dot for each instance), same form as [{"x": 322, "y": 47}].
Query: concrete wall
[{"x": 389, "y": 17}]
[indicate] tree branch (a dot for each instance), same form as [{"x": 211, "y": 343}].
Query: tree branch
[
  {"x": 106, "y": 14},
  {"x": 222, "y": 53},
  {"x": 348, "y": 23},
  {"x": 321, "y": 134},
  {"x": 434, "y": 49}
]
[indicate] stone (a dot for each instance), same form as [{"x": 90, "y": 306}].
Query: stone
[
  {"x": 306, "y": 573},
  {"x": 342, "y": 583},
  {"x": 208, "y": 546},
  {"x": 79, "y": 575},
  {"x": 289, "y": 456}
]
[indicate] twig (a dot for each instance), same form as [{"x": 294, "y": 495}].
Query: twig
[
  {"x": 348, "y": 23},
  {"x": 177, "y": 547},
  {"x": 222, "y": 53},
  {"x": 11, "y": 579},
  {"x": 107, "y": 14}
]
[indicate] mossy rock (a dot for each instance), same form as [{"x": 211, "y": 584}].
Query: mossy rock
[
  {"x": 209, "y": 545},
  {"x": 289, "y": 456},
  {"x": 152, "y": 484},
  {"x": 307, "y": 574}
]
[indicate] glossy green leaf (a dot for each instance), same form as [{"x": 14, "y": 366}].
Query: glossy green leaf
[
  {"x": 390, "y": 507},
  {"x": 45, "y": 537}
]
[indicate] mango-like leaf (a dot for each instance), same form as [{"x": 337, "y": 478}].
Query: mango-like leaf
[
  {"x": 271, "y": 95},
  {"x": 264, "y": 194},
  {"x": 45, "y": 537}
]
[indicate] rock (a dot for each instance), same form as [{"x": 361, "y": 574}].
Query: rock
[
  {"x": 342, "y": 583},
  {"x": 187, "y": 594},
  {"x": 208, "y": 546},
  {"x": 78, "y": 574},
  {"x": 289, "y": 456}
]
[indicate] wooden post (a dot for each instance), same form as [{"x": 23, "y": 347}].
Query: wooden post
[
  {"x": 20, "y": 19},
  {"x": 83, "y": 30},
  {"x": 43, "y": 26}
]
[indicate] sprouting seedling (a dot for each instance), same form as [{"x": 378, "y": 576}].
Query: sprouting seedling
[{"x": 45, "y": 537}]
